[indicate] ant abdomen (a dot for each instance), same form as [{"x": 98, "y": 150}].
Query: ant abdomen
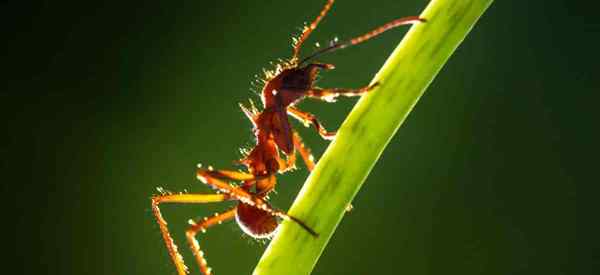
[{"x": 255, "y": 222}]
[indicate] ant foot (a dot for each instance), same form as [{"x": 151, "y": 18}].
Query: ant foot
[{"x": 372, "y": 86}]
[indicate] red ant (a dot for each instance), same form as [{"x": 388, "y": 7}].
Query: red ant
[{"x": 291, "y": 82}]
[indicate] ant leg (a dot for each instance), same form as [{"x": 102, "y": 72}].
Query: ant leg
[
  {"x": 288, "y": 164},
  {"x": 162, "y": 223},
  {"x": 201, "y": 226},
  {"x": 211, "y": 178},
  {"x": 330, "y": 95},
  {"x": 308, "y": 29},
  {"x": 232, "y": 175},
  {"x": 307, "y": 119},
  {"x": 304, "y": 151},
  {"x": 247, "y": 198}
]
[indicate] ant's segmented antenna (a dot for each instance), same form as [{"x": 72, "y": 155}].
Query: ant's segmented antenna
[
  {"x": 308, "y": 29},
  {"x": 359, "y": 39}
]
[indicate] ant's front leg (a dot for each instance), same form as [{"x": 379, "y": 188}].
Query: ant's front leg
[
  {"x": 304, "y": 151},
  {"x": 331, "y": 94},
  {"x": 290, "y": 162},
  {"x": 307, "y": 119},
  {"x": 201, "y": 226}
]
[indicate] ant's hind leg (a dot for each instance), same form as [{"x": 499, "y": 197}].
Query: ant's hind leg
[
  {"x": 247, "y": 198},
  {"x": 229, "y": 174},
  {"x": 162, "y": 223},
  {"x": 201, "y": 226},
  {"x": 307, "y": 119},
  {"x": 331, "y": 95},
  {"x": 213, "y": 178}
]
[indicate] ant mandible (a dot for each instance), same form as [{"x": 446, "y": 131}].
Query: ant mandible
[{"x": 291, "y": 82}]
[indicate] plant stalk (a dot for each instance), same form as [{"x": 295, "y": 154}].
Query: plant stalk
[{"x": 374, "y": 120}]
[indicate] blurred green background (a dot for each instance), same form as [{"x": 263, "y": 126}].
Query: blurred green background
[{"x": 494, "y": 172}]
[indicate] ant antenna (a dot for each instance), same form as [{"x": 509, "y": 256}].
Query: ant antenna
[
  {"x": 359, "y": 39},
  {"x": 308, "y": 29}
]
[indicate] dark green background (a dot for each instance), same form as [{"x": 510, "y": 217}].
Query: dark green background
[{"x": 494, "y": 172}]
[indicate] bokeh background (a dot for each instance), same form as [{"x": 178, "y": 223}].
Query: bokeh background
[{"x": 494, "y": 172}]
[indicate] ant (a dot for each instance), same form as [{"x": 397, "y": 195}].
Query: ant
[{"x": 292, "y": 81}]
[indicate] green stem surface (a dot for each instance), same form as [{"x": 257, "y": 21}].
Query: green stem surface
[{"x": 339, "y": 175}]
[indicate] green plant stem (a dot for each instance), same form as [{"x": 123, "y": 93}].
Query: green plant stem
[{"x": 367, "y": 130}]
